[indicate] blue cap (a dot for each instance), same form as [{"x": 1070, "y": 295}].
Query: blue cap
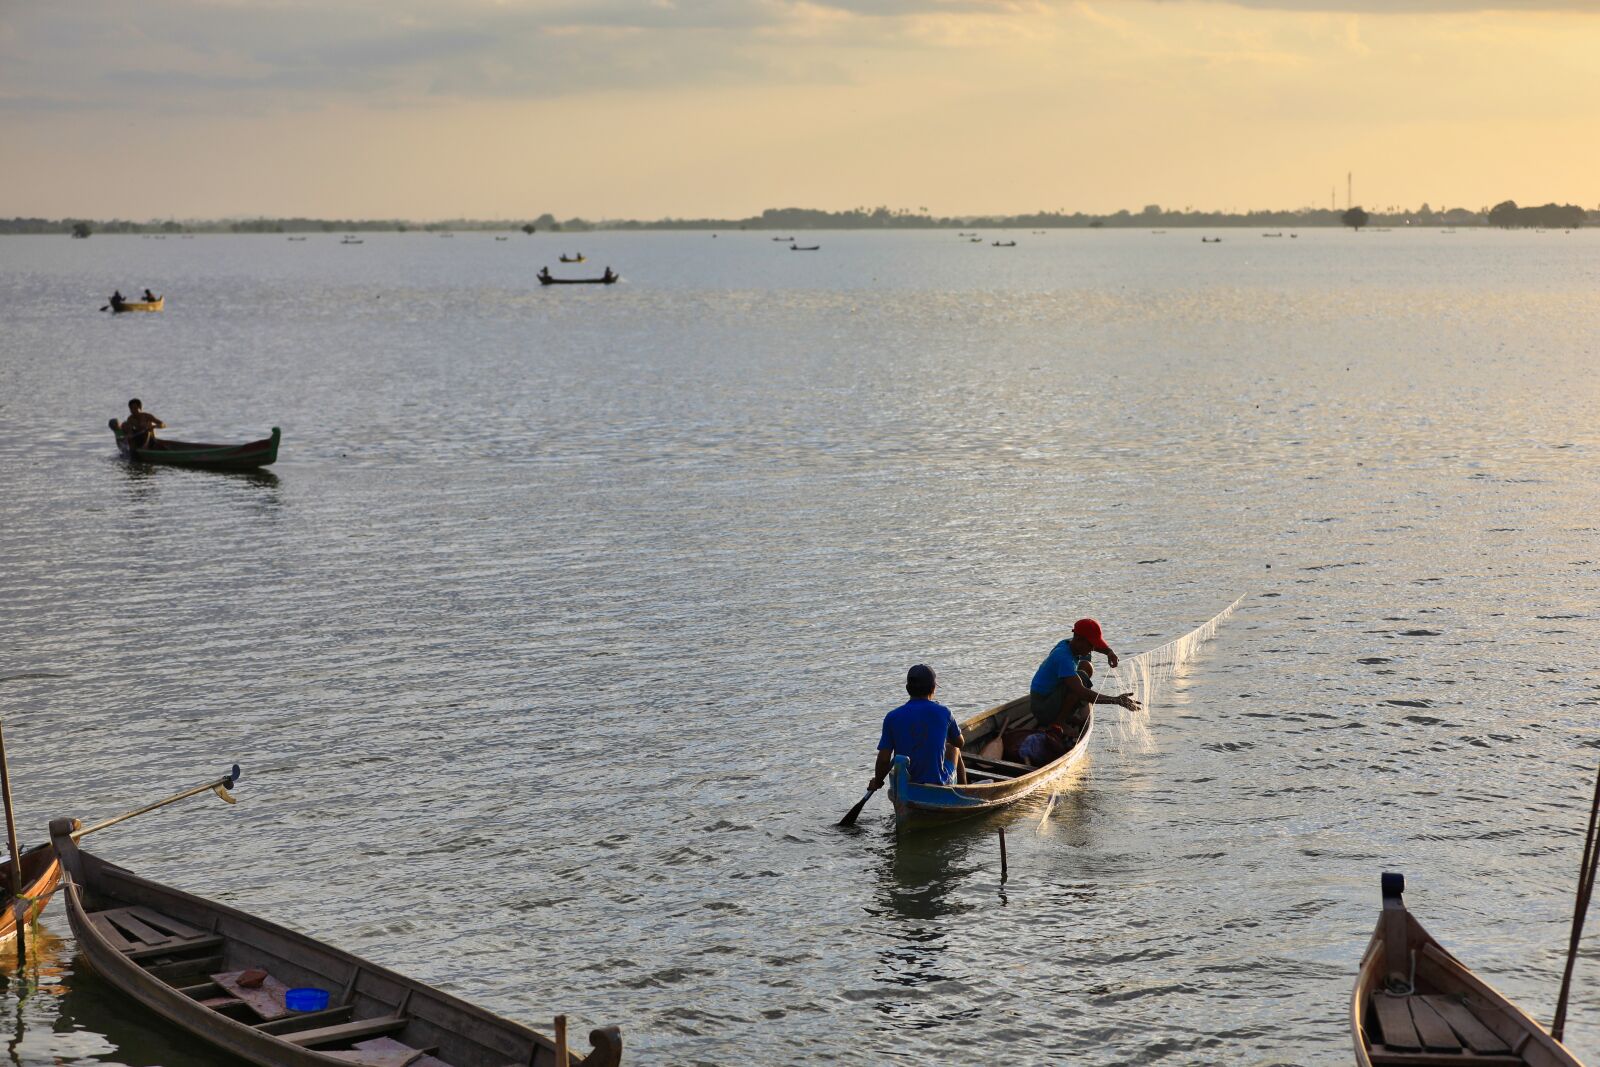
[{"x": 920, "y": 676}]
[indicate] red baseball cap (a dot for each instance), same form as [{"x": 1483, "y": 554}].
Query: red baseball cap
[{"x": 1089, "y": 630}]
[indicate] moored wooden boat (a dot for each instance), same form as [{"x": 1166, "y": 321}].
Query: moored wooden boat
[
  {"x": 190, "y": 454},
  {"x": 1005, "y": 244},
  {"x": 993, "y": 783},
  {"x": 181, "y": 958},
  {"x": 804, "y": 248},
  {"x": 1416, "y": 1005},
  {"x": 157, "y": 304},
  {"x": 41, "y": 873}
]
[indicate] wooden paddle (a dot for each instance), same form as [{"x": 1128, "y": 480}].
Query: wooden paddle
[
  {"x": 850, "y": 816},
  {"x": 220, "y": 787}
]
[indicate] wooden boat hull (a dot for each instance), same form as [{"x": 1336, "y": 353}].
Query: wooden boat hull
[
  {"x": 41, "y": 873},
  {"x": 244, "y": 457},
  {"x": 1432, "y": 1009},
  {"x": 161, "y": 946},
  {"x": 580, "y": 259},
  {"x": 142, "y": 305},
  {"x": 921, "y": 804}
]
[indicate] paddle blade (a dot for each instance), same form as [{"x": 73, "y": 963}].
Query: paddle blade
[{"x": 850, "y": 816}]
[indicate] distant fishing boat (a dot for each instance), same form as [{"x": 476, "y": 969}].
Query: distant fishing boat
[
  {"x": 804, "y": 248},
  {"x": 610, "y": 277},
  {"x": 352, "y": 241},
  {"x": 243, "y": 457},
  {"x": 297, "y": 238},
  {"x": 1415, "y": 1004},
  {"x": 783, "y": 239},
  {"x": 1272, "y": 235},
  {"x": 1005, "y": 244},
  {"x": 975, "y": 240},
  {"x": 1211, "y": 240},
  {"x": 502, "y": 238},
  {"x": 579, "y": 258},
  {"x": 158, "y": 304}
]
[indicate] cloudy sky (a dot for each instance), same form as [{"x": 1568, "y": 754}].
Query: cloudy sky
[{"x": 648, "y": 108}]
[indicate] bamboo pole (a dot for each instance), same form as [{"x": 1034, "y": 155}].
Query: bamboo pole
[
  {"x": 1580, "y": 909},
  {"x": 19, "y": 906},
  {"x": 562, "y": 1055},
  {"x": 1002, "y": 855}
]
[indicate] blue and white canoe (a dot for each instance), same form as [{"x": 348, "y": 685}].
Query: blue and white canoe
[{"x": 992, "y": 782}]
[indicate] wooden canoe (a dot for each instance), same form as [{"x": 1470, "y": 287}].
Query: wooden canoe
[
  {"x": 992, "y": 783},
  {"x": 180, "y": 957},
  {"x": 545, "y": 278},
  {"x": 243, "y": 457},
  {"x": 141, "y": 305},
  {"x": 579, "y": 258},
  {"x": 41, "y": 873},
  {"x": 1416, "y": 1005}
]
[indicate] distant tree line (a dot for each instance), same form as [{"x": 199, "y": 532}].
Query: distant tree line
[
  {"x": 1550, "y": 216},
  {"x": 1152, "y": 216}
]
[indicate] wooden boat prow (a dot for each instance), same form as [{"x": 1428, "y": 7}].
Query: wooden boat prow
[
  {"x": 993, "y": 783},
  {"x": 41, "y": 873},
  {"x": 1416, "y": 1005},
  {"x": 179, "y": 956}
]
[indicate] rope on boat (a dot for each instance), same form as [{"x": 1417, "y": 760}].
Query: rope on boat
[{"x": 1149, "y": 673}]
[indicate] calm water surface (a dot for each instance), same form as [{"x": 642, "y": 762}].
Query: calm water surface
[{"x": 559, "y": 636}]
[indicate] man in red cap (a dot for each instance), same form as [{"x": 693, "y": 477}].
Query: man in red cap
[{"x": 1058, "y": 690}]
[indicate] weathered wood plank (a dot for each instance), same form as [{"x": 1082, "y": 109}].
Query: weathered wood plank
[
  {"x": 165, "y": 922},
  {"x": 1395, "y": 1021},
  {"x": 1435, "y": 1033},
  {"x": 305, "y": 1020},
  {"x": 266, "y": 1000},
  {"x": 110, "y": 933},
  {"x": 1478, "y": 1037},
  {"x": 389, "y": 1044},
  {"x": 330, "y": 1035},
  {"x": 136, "y": 929},
  {"x": 175, "y": 948},
  {"x": 184, "y": 971}
]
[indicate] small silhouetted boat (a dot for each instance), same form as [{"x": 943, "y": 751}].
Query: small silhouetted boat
[
  {"x": 352, "y": 241},
  {"x": 1416, "y": 1004},
  {"x": 610, "y": 277},
  {"x": 226, "y": 976},
  {"x": 804, "y": 248},
  {"x": 579, "y": 258},
  {"x": 783, "y": 238},
  {"x": 1211, "y": 240},
  {"x": 157, "y": 304},
  {"x": 189, "y": 454},
  {"x": 297, "y": 238},
  {"x": 502, "y": 238},
  {"x": 1272, "y": 235},
  {"x": 975, "y": 240},
  {"x": 1005, "y": 244}
]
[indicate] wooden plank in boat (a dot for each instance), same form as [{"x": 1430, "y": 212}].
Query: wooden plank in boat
[
  {"x": 1435, "y": 1033},
  {"x": 266, "y": 1000},
  {"x": 1472, "y": 1030},
  {"x": 110, "y": 933},
  {"x": 304, "y": 1020},
  {"x": 135, "y": 928},
  {"x": 1398, "y": 1031},
  {"x": 1006, "y": 767},
  {"x": 184, "y": 972},
  {"x": 389, "y": 1046},
  {"x": 165, "y": 922},
  {"x": 173, "y": 948},
  {"x": 329, "y": 1035},
  {"x": 1382, "y": 1057}
]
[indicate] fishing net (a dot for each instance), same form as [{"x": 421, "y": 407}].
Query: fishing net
[{"x": 1149, "y": 676}]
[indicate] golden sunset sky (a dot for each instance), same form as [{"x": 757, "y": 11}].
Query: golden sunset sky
[{"x": 653, "y": 108}]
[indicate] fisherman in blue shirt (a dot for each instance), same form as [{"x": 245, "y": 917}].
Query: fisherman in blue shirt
[
  {"x": 924, "y": 732},
  {"x": 1057, "y": 689}
]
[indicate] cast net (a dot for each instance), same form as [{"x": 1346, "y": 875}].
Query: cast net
[{"x": 1149, "y": 676}]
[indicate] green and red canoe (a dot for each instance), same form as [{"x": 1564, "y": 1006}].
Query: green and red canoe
[{"x": 244, "y": 457}]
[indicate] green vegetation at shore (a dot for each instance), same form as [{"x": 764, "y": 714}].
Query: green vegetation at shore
[{"x": 1153, "y": 216}]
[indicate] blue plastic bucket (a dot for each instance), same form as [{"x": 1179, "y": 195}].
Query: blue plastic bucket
[{"x": 306, "y": 999}]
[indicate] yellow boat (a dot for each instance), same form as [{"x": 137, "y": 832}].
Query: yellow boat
[{"x": 143, "y": 305}]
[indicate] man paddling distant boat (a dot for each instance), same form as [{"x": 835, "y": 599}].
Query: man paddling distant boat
[
  {"x": 922, "y": 731},
  {"x": 140, "y": 426},
  {"x": 1056, "y": 687}
]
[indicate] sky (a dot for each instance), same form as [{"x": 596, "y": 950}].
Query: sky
[{"x": 507, "y": 109}]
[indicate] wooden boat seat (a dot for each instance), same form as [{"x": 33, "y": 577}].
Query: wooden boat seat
[
  {"x": 1435, "y": 1029},
  {"x": 140, "y": 933},
  {"x": 999, "y": 767},
  {"x": 333, "y": 1035},
  {"x": 387, "y": 1052},
  {"x": 266, "y": 1000}
]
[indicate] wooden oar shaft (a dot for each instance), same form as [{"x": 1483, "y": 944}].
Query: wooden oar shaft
[
  {"x": 1586, "y": 875},
  {"x": 220, "y": 786},
  {"x": 19, "y": 906}
]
